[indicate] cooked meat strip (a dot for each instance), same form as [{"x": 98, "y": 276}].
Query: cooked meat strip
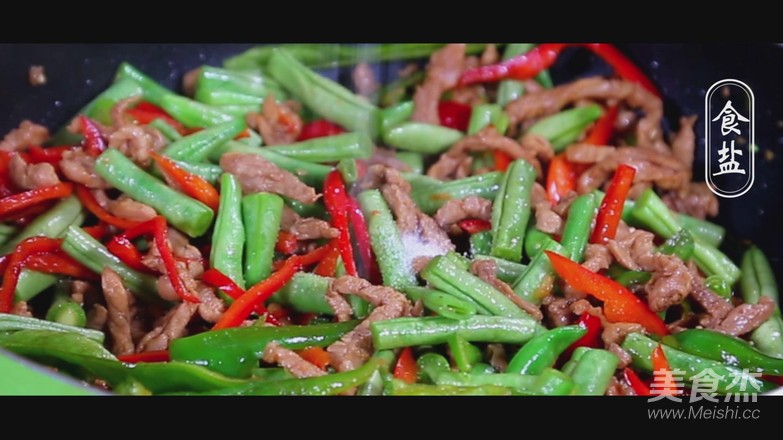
[
  {"x": 557, "y": 310},
  {"x": 137, "y": 141},
  {"x": 211, "y": 307},
  {"x": 190, "y": 81},
  {"x": 277, "y": 123},
  {"x": 622, "y": 355},
  {"x": 488, "y": 139},
  {"x": 79, "y": 167},
  {"x": 747, "y": 317},
  {"x": 27, "y": 134},
  {"x": 355, "y": 347},
  {"x": 30, "y": 176},
  {"x": 125, "y": 207},
  {"x": 454, "y": 210},
  {"x": 490, "y": 55},
  {"x": 292, "y": 362},
  {"x": 173, "y": 326},
  {"x": 36, "y": 76},
  {"x": 716, "y": 308},
  {"x": 388, "y": 158},
  {"x": 549, "y": 101},
  {"x": 615, "y": 333},
  {"x": 119, "y": 303},
  {"x": 256, "y": 174},
  {"x": 633, "y": 248},
  {"x": 443, "y": 72},
  {"x": 21, "y": 308},
  {"x": 618, "y": 387},
  {"x": 695, "y": 199},
  {"x": 97, "y": 317},
  {"x": 547, "y": 220},
  {"x": 597, "y": 257},
  {"x": 306, "y": 228},
  {"x": 588, "y": 153},
  {"x": 671, "y": 282},
  {"x": 486, "y": 270},
  {"x": 684, "y": 142},
  {"x": 364, "y": 80},
  {"x": 496, "y": 354}
]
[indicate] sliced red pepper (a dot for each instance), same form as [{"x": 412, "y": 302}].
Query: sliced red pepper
[
  {"x": 337, "y": 205},
  {"x": 474, "y": 225},
  {"x": 454, "y": 115},
  {"x": 611, "y": 210},
  {"x": 328, "y": 266},
  {"x": 541, "y": 57},
  {"x": 361, "y": 236},
  {"x": 25, "y": 216},
  {"x": 145, "y": 112},
  {"x": 218, "y": 280},
  {"x": 407, "y": 370},
  {"x": 52, "y": 155},
  {"x": 15, "y": 263},
  {"x": 592, "y": 337},
  {"x": 124, "y": 249},
  {"x": 147, "y": 356},
  {"x": 191, "y": 184},
  {"x": 316, "y": 356},
  {"x": 663, "y": 377},
  {"x": 638, "y": 385},
  {"x": 560, "y": 179},
  {"x": 501, "y": 160},
  {"x": 319, "y": 128},
  {"x": 620, "y": 304},
  {"x": 158, "y": 228},
  {"x": 258, "y": 294},
  {"x": 92, "y": 205},
  {"x": 58, "y": 264},
  {"x": 286, "y": 244},
  {"x": 15, "y": 203},
  {"x": 94, "y": 143},
  {"x": 603, "y": 130},
  {"x": 98, "y": 231}
]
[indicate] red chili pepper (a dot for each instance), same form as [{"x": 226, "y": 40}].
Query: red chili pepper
[
  {"x": 620, "y": 304},
  {"x": 319, "y": 128},
  {"x": 147, "y": 356},
  {"x": 664, "y": 379},
  {"x": 638, "y": 385},
  {"x": 328, "y": 266},
  {"x": 611, "y": 210},
  {"x": 15, "y": 263},
  {"x": 191, "y": 184},
  {"x": 124, "y": 249},
  {"x": 406, "y": 369},
  {"x": 145, "y": 112},
  {"x": 158, "y": 228},
  {"x": 560, "y": 179},
  {"x": 98, "y": 231},
  {"x": 94, "y": 143},
  {"x": 6, "y": 186},
  {"x": 25, "y": 216},
  {"x": 603, "y": 130},
  {"x": 218, "y": 280},
  {"x": 454, "y": 115},
  {"x": 337, "y": 205},
  {"x": 541, "y": 57},
  {"x": 258, "y": 294},
  {"x": 361, "y": 236},
  {"x": 52, "y": 155},
  {"x": 316, "y": 356},
  {"x": 89, "y": 202},
  {"x": 501, "y": 160},
  {"x": 286, "y": 243},
  {"x": 592, "y": 337},
  {"x": 474, "y": 225},
  {"x": 58, "y": 264},
  {"x": 15, "y": 203}
]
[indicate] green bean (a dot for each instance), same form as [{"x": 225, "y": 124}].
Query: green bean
[
  {"x": 186, "y": 214},
  {"x": 326, "y": 97},
  {"x": 392, "y": 93},
  {"x": 400, "y": 388},
  {"x": 708, "y": 232},
  {"x": 31, "y": 283},
  {"x": 14, "y": 323},
  {"x": 448, "y": 306},
  {"x": 510, "y": 90},
  {"x": 51, "y": 223},
  {"x": 421, "y": 138},
  {"x": 593, "y": 371},
  {"x": 432, "y": 330},
  {"x": 261, "y": 213},
  {"x": 719, "y": 285},
  {"x": 91, "y": 253},
  {"x": 316, "y": 210},
  {"x": 758, "y": 280},
  {"x": 65, "y": 310},
  {"x": 271, "y": 374},
  {"x": 481, "y": 369},
  {"x": 193, "y": 114},
  {"x": 306, "y": 293},
  {"x": 680, "y": 244},
  {"x": 481, "y": 243},
  {"x": 430, "y": 365},
  {"x": 421, "y": 182},
  {"x": 511, "y": 211},
  {"x": 170, "y": 133},
  {"x": 236, "y": 111},
  {"x": 463, "y": 353},
  {"x": 228, "y": 236},
  {"x": 566, "y": 122},
  {"x": 725, "y": 376},
  {"x": 537, "y": 280},
  {"x": 6, "y": 233},
  {"x": 443, "y": 274},
  {"x": 242, "y": 83},
  {"x": 542, "y": 351},
  {"x": 386, "y": 241},
  {"x": 535, "y": 240},
  {"x": 312, "y": 174},
  {"x": 577, "y": 227},
  {"x": 348, "y": 170},
  {"x": 211, "y": 173},
  {"x": 430, "y": 199},
  {"x": 252, "y": 139},
  {"x": 414, "y": 160},
  {"x": 381, "y": 378},
  {"x": 488, "y": 114},
  {"x": 217, "y": 98},
  {"x": 198, "y": 146},
  {"x": 549, "y": 382},
  {"x": 507, "y": 271},
  {"x": 153, "y": 91},
  {"x": 329, "y": 148},
  {"x": 100, "y": 107},
  {"x": 633, "y": 277},
  {"x": 395, "y": 115}
]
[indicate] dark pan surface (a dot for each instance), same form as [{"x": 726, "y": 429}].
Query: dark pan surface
[{"x": 684, "y": 72}]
